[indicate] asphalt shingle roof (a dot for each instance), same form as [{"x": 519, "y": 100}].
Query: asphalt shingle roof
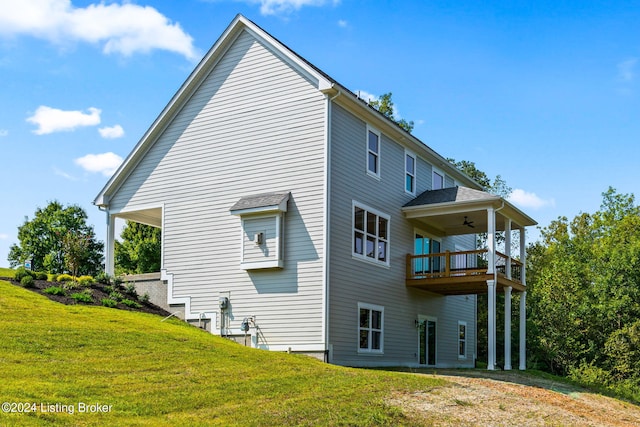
[{"x": 451, "y": 194}]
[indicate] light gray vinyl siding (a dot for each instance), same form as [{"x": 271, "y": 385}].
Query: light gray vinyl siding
[
  {"x": 448, "y": 181},
  {"x": 353, "y": 280},
  {"x": 265, "y": 251},
  {"x": 255, "y": 125}
]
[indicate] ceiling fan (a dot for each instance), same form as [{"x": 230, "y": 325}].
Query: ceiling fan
[{"x": 468, "y": 223}]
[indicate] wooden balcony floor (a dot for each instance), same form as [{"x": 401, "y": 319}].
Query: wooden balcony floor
[
  {"x": 463, "y": 284},
  {"x": 461, "y": 273}
]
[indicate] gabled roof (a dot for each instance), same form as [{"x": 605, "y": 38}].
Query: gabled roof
[
  {"x": 193, "y": 82},
  {"x": 324, "y": 83},
  {"x": 451, "y": 194},
  {"x": 259, "y": 203},
  {"x": 461, "y": 210}
]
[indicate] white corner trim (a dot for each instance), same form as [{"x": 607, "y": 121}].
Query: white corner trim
[{"x": 186, "y": 301}]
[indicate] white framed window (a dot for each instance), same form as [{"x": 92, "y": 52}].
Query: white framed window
[
  {"x": 370, "y": 234},
  {"x": 410, "y": 173},
  {"x": 462, "y": 339},
  {"x": 437, "y": 180},
  {"x": 373, "y": 152},
  {"x": 370, "y": 328}
]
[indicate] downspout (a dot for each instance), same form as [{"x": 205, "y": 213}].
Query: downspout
[{"x": 327, "y": 205}]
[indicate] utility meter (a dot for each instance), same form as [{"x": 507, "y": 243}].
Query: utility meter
[{"x": 224, "y": 303}]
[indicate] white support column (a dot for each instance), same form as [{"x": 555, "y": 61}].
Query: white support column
[
  {"x": 523, "y": 331},
  {"x": 491, "y": 241},
  {"x": 109, "y": 250},
  {"x": 507, "y": 246},
  {"x": 523, "y": 256},
  {"x": 491, "y": 324},
  {"x": 523, "y": 302},
  {"x": 491, "y": 288},
  {"x": 507, "y": 328}
]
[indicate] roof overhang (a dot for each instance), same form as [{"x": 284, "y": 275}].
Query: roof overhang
[
  {"x": 261, "y": 204},
  {"x": 465, "y": 213}
]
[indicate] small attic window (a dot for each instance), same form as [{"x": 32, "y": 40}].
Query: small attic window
[{"x": 262, "y": 223}]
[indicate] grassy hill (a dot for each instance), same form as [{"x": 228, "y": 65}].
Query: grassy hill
[{"x": 144, "y": 372}]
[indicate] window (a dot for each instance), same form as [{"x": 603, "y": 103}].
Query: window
[
  {"x": 373, "y": 152},
  {"x": 438, "y": 180},
  {"x": 462, "y": 340},
  {"x": 370, "y": 328},
  {"x": 409, "y": 173},
  {"x": 370, "y": 234}
]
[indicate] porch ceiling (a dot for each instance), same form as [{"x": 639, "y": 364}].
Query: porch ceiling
[
  {"x": 151, "y": 216},
  {"x": 445, "y": 211}
]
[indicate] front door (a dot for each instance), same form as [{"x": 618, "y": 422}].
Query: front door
[{"x": 427, "y": 331}]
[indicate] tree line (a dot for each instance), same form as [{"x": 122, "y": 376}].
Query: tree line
[{"x": 58, "y": 240}]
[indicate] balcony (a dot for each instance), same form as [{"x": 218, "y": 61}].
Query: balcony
[{"x": 462, "y": 273}]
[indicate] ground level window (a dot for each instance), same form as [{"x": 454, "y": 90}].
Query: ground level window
[
  {"x": 370, "y": 328},
  {"x": 462, "y": 340}
]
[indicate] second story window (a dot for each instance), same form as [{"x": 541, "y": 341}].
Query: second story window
[
  {"x": 373, "y": 152},
  {"x": 438, "y": 180},
  {"x": 370, "y": 235},
  {"x": 409, "y": 173}
]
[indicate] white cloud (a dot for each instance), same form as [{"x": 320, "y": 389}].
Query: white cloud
[
  {"x": 529, "y": 200},
  {"x": 111, "y": 132},
  {"x": 342, "y": 23},
  {"x": 3, "y": 132},
  {"x": 626, "y": 69},
  {"x": 51, "y": 120},
  {"x": 63, "y": 174},
  {"x": 281, "y": 7},
  {"x": 4, "y": 236},
  {"x": 366, "y": 96},
  {"x": 120, "y": 28},
  {"x": 105, "y": 163}
]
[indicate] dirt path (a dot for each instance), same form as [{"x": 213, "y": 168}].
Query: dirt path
[{"x": 482, "y": 398}]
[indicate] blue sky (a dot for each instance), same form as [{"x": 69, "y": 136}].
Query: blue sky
[{"x": 543, "y": 93}]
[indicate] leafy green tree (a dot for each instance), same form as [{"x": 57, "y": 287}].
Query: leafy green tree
[
  {"x": 76, "y": 249},
  {"x": 584, "y": 288},
  {"x": 139, "y": 251},
  {"x": 384, "y": 104},
  {"x": 41, "y": 240},
  {"x": 497, "y": 187}
]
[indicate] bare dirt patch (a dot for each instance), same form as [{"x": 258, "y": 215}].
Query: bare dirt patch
[{"x": 484, "y": 398}]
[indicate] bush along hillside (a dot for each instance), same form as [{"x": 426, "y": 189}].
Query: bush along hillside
[
  {"x": 103, "y": 291},
  {"x": 124, "y": 368}
]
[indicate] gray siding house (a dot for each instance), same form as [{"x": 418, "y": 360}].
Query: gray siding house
[{"x": 295, "y": 217}]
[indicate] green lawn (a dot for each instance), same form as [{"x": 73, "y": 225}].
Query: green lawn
[
  {"x": 154, "y": 373},
  {"x": 7, "y": 272}
]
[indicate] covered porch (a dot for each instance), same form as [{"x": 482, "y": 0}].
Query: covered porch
[
  {"x": 152, "y": 216},
  {"x": 461, "y": 211}
]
